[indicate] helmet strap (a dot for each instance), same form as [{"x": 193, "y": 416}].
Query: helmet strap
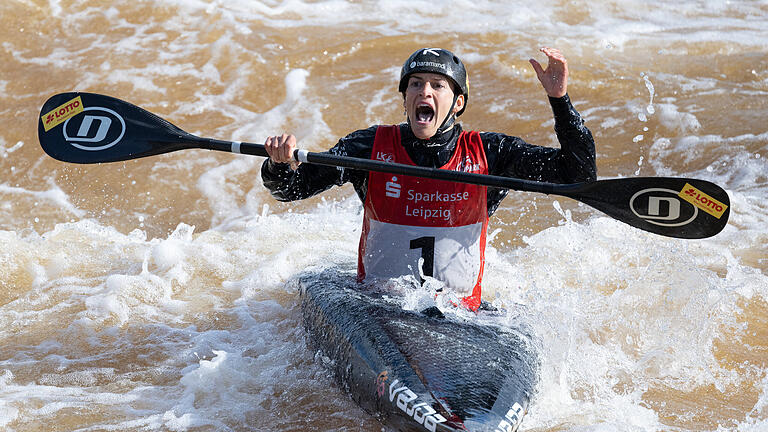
[{"x": 450, "y": 119}]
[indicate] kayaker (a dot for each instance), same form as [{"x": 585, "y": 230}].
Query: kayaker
[{"x": 430, "y": 227}]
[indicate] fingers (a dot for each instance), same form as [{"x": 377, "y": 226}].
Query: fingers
[
  {"x": 280, "y": 149},
  {"x": 554, "y": 55},
  {"x": 554, "y": 78},
  {"x": 537, "y": 68},
  {"x": 556, "y": 62}
]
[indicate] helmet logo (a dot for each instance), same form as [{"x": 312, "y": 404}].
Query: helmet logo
[
  {"x": 420, "y": 62},
  {"x": 435, "y": 52}
]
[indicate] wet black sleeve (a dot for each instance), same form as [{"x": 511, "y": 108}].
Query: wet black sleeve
[
  {"x": 573, "y": 162},
  {"x": 310, "y": 179}
]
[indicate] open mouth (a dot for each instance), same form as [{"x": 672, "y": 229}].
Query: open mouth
[{"x": 424, "y": 113}]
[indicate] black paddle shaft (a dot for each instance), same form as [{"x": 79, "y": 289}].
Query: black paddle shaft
[{"x": 91, "y": 128}]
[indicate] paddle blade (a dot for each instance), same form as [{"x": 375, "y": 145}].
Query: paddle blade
[
  {"x": 672, "y": 207},
  {"x": 91, "y": 128}
]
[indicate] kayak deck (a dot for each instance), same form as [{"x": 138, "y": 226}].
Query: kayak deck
[{"x": 416, "y": 372}]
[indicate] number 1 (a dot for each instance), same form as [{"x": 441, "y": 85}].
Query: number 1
[{"x": 427, "y": 246}]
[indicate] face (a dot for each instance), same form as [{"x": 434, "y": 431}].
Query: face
[{"x": 428, "y": 99}]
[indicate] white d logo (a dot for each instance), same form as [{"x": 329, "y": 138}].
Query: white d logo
[
  {"x": 654, "y": 208},
  {"x": 662, "y": 207},
  {"x": 96, "y": 132}
]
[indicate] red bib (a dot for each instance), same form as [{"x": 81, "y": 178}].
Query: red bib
[{"x": 407, "y": 218}]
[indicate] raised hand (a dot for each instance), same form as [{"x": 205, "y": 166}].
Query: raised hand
[{"x": 554, "y": 78}]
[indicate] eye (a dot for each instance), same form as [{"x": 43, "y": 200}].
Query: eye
[{"x": 440, "y": 85}]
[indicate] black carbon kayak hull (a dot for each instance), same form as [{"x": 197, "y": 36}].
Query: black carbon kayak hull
[{"x": 415, "y": 372}]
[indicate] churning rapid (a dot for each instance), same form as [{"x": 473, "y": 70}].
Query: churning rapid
[{"x": 159, "y": 294}]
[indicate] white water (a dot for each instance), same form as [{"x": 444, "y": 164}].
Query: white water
[{"x": 117, "y": 314}]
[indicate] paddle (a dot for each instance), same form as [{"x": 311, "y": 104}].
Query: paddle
[{"x": 91, "y": 128}]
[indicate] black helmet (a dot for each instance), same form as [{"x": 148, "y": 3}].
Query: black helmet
[{"x": 439, "y": 61}]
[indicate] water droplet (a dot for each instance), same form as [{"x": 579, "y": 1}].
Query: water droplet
[{"x": 651, "y": 92}]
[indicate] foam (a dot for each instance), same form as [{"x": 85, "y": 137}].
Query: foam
[
  {"x": 242, "y": 362},
  {"x": 200, "y": 328},
  {"x": 618, "y": 315},
  {"x": 739, "y": 169}
]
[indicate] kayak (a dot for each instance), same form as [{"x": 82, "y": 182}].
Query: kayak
[{"x": 417, "y": 371}]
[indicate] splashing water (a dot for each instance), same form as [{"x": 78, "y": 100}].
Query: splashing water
[{"x": 156, "y": 294}]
